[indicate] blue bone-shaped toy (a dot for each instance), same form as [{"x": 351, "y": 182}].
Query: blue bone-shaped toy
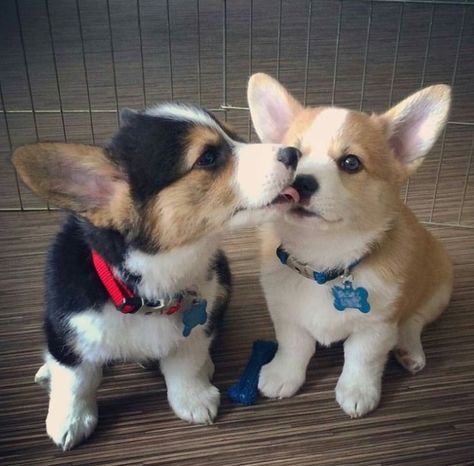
[{"x": 245, "y": 390}]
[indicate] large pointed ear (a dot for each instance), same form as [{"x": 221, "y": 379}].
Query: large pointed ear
[
  {"x": 76, "y": 177},
  {"x": 272, "y": 107},
  {"x": 415, "y": 124}
]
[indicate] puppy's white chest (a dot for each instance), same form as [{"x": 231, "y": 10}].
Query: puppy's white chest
[
  {"x": 311, "y": 305},
  {"x": 111, "y": 335},
  {"x": 319, "y": 315}
]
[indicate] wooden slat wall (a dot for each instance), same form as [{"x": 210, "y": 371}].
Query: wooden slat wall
[{"x": 352, "y": 53}]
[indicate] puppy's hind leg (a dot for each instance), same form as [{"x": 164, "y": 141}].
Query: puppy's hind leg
[
  {"x": 409, "y": 350},
  {"x": 72, "y": 413}
]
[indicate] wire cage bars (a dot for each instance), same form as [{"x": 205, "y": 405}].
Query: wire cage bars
[{"x": 68, "y": 66}]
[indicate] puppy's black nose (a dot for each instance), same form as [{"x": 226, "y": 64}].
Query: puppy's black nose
[
  {"x": 306, "y": 185},
  {"x": 289, "y": 156}
]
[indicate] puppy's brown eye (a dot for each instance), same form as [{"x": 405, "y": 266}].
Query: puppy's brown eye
[
  {"x": 350, "y": 163},
  {"x": 208, "y": 159}
]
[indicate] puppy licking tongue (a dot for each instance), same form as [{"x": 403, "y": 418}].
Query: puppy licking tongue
[{"x": 290, "y": 195}]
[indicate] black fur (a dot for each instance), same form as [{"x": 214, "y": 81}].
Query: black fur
[
  {"x": 149, "y": 148},
  {"x": 71, "y": 284},
  {"x": 224, "y": 278}
]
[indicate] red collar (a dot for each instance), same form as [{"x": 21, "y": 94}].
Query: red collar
[{"x": 123, "y": 297}]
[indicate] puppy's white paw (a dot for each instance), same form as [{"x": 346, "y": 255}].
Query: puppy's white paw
[
  {"x": 357, "y": 396},
  {"x": 277, "y": 381},
  {"x": 195, "y": 404},
  {"x": 69, "y": 427}
]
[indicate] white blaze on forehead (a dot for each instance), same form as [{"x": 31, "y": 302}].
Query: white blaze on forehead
[
  {"x": 326, "y": 127},
  {"x": 321, "y": 136},
  {"x": 188, "y": 113}
]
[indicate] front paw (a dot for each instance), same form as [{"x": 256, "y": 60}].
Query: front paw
[
  {"x": 278, "y": 381},
  {"x": 357, "y": 396},
  {"x": 196, "y": 404},
  {"x": 68, "y": 427}
]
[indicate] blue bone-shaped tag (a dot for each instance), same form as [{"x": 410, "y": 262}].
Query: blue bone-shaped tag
[
  {"x": 194, "y": 316},
  {"x": 345, "y": 297}
]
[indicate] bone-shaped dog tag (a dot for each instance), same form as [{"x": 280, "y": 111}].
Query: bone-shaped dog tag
[
  {"x": 194, "y": 316},
  {"x": 346, "y": 297}
]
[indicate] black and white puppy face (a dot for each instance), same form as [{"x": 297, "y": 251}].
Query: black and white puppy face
[{"x": 170, "y": 175}]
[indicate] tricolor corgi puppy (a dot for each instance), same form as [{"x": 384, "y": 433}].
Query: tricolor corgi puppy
[
  {"x": 350, "y": 261},
  {"x": 136, "y": 274}
]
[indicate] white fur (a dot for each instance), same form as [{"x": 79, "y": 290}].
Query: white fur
[
  {"x": 110, "y": 335},
  {"x": 150, "y": 336},
  {"x": 332, "y": 202},
  {"x": 72, "y": 413},
  {"x": 187, "y": 373},
  {"x": 303, "y": 313},
  {"x": 324, "y": 130},
  {"x": 323, "y": 249},
  {"x": 259, "y": 176},
  {"x": 177, "y": 111},
  {"x": 167, "y": 273},
  {"x": 189, "y": 113}
]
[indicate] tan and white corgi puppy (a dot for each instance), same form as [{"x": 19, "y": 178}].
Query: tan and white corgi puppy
[
  {"x": 350, "y": 261},
  {"x": 136, "y": 273}
]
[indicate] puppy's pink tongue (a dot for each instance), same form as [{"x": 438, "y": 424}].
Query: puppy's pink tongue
[{"x": 291, "y": 194}]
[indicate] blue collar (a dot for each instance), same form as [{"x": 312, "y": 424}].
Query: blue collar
[{"x": 319, "y": 277}]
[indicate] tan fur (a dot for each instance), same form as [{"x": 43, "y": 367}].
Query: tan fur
[
  {"x": 198, "y": 139},
  {"x": 119, "y": 214},
  {"x": 198, "y": 203},
  {"x": 410, "y": 255},
  {"x": 42, "y": 167}
]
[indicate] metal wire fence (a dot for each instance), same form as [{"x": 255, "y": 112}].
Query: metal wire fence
[{"x": 67, "y": 66}]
